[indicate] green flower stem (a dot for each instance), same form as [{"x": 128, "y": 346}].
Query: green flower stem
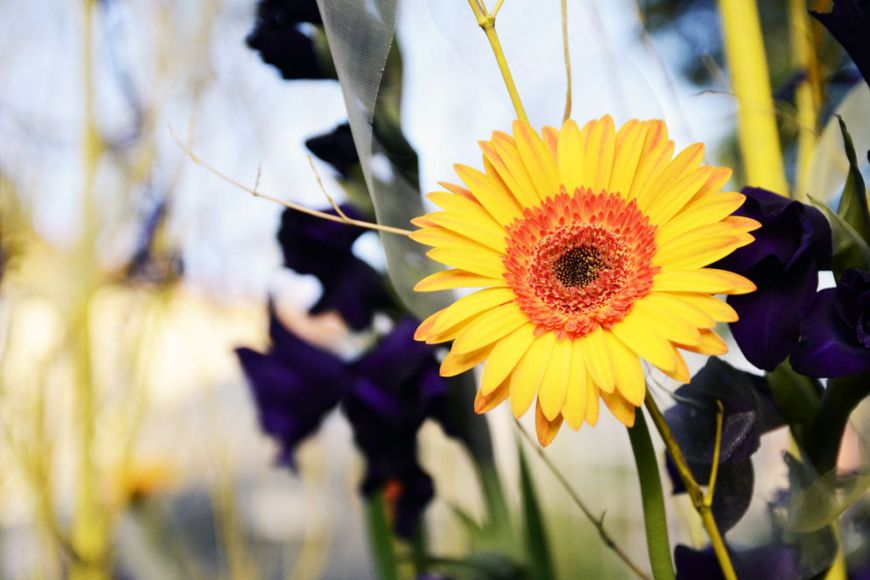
[
  {"x": 381, "y": 538},
  {"x": 486, "y": 20},
  {"x": 654, "y": 516},
  {"x": 703, "y": 503},
  {"x": 597, "y": 521}
]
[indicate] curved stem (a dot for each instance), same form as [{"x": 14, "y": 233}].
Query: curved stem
[
  {"x": 702, "y": 503},
  {"x": 566, "y": 49},
  {"x": 598, "y": 522}
]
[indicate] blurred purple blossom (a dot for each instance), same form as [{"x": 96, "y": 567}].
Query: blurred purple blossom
[
  {"x": 793, "y": 244},
  {"x": 351, "y": 287},
  {"x": 849, "y": 23},
  {"x": 835, "y": 335}
]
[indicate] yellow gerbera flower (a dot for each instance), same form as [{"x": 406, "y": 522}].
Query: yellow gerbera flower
[{"x": 589, "y": 247}]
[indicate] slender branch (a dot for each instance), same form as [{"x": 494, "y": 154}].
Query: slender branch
[
  {"x": 598, "y": 522},
  {"x": 334, "y": 205},
  {"x": 567, "y": 114},
  {"x": 486, "y": 21},
  {"x": 294, "y": 206},
  {"x": 497, "y": 8},
  {"x": 717, "y": 449},
  {"x": 694, "y": 489}
]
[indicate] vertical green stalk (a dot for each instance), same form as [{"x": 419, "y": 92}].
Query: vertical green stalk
[
  {"x": 381, "y": 538},
  {"x": 654, "y": 517},
  {"x": 759, "y": 139},
  {"x": 803, "y": 59},
  {"x": 88, "y": 534}
]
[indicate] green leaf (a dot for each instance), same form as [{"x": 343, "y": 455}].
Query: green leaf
[
  {"x": 822, "y": 502},
  {"x": 850, "y": 249},
  {"x": 853, "y": 202},
  {"x": 654, "y": 517},
  {"x": 841, "y": 396},
  {"x": 381, "y": 538},
  {"x": 798, "y": 398},
  {"x": 540, "y": 561}
]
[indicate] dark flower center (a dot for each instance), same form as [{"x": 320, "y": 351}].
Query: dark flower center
[{"x": 578, "y": 266}]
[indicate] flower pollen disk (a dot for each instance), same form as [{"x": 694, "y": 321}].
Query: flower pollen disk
[{"x": 578, "y": 262}]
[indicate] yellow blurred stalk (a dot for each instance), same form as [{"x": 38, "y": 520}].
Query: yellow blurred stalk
[
  {"x": 759, "y": 140},
  {"x": 806, "y": 93},
  {"x": 89, "y": 536}
]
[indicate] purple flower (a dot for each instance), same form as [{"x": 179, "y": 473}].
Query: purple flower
[
  {"x": 336, "y": 148},
  {"x": 294, "y": 385},
  {"x": 835, "y": 335},
  {"x": 386, "y": 395},
  {"x": 281, "y": 40},
  {"x": 793, "y": 244},
  {"x": 849, "y": 22},
  {"x": 315, "y": 246},
  {"x": 397, "y": 388}
]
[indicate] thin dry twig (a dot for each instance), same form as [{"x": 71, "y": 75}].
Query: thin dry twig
[
  {"x": 567, "y": 114},
  {"x": 334, "y": 205},
  {"x": 288, "y": 204},
  {"x": 598, "y": 522}
]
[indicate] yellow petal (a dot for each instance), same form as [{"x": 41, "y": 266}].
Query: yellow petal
[
  {"x": 638, "y": 336},
  {"x": 504, "y": 357},
  {"x": 451, "y": 279},
  {"x": 672, "y": 303},
  {"x": 454, "y": 364},
  {"x": 704, "y": 281},
  {"x": 705, "y": 210},
  {"x": 480, "y": 261},
  {"x": 599, "y": 153},
  {"x": 675, "y": 196},
  {"x": 648, "y": 168},
  {"x": 681, "y": 371},
  {"x": 620, "y": 407},
  {"x": 483, "y": 403},
  {"x": 544, "y": 427},
  {"x": 575, "y": 399},
  {"x": 666, "y": 322},
  {"x": 490, "y": 327},
  {"x": 710, "y": 344},
  {"x": 554, "y": 385},
  {"x": 592, "y": 403},
  {"x": 491, "y": 192},
  {"x": 629, "y": 144},
  {"x": 470, "y": 225},
  {"x": 685, "y": 162},
  {"x": 527, "y": 377},
  {"x": 698, "y": 252},
  {"x": 717, "y": 309},
  {"x": 502, "y": 154},
  {"x": 570, "y": 157},
  {"x": 472, "y": 305},
  {"x": 551, "y": 138},
  {"x": 538, "y": 160},
  {"x": 598, "y": 360},
  {"x": 630, "y": 382}
]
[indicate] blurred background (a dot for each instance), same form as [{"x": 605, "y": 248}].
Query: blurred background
[{"x": 130, "y": 274}]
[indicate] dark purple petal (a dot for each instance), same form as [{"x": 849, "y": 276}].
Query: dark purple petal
[
  {"x": 351, "y": 287},
  {"x": 294, "y": 386},
  {"x": 849, "y": 23},
  {"x": 770, "y": 317},
  {"x": 281, "y": 41},
  {"x": 828, "y": 347},
  {"x": 336, "y": 148}
]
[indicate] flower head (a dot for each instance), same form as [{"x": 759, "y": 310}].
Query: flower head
[
  {"x": 589, "y": 247},
  {"x": 793, "y": 244},
  {"x": 294, "y": 385},
  {"x": 323, "y": 248},
  {"x": 835, "y": 335},
  {"x": 849, "y": 22}
]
